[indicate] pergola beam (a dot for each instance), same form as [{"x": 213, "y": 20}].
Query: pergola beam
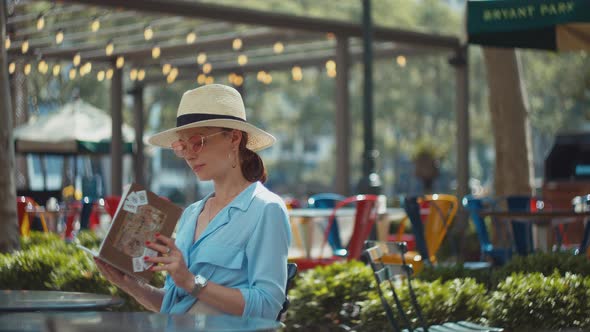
[{"x": 276, "y": 20}]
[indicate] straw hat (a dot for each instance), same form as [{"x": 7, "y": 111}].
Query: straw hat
[{"x": 213, "y": 105}]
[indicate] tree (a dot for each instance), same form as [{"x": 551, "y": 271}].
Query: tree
[
  {"x": 8, "y": 220},
  {"x": 510, "y": 124}
]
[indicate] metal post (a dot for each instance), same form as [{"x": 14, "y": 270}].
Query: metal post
[
  {"x": 370, "y": 182},
  {"x": 117, "y": 133},
  {"x": 342, "y": 115},
  {"x": 139, "y": 160}
]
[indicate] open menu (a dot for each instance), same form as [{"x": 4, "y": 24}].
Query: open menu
[{"x": 140, "y": 215}]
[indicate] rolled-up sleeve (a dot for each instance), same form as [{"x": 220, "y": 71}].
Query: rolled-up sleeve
[{"x": 266, "y": 252}]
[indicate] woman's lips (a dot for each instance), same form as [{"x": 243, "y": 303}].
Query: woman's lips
[{"x": 197, "y": 168}]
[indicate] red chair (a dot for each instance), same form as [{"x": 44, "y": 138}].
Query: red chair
[
  {"x": 364, "y": 220},
  {"x": 25, "y": 222}
]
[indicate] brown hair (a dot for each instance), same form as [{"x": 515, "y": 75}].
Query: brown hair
[{"x": 250, "y": 162}]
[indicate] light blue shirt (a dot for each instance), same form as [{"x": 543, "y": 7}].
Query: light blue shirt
[{"x": 244, "y": 246}]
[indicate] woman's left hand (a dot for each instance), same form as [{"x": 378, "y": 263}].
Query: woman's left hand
[{"x": 171, "y": 260}]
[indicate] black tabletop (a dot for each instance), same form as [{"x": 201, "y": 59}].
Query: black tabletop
[
  {"x": 130, "y": 321},
  {"x": 32, "y": 300}
]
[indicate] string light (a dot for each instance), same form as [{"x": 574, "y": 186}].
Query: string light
[
  {"x": 231, "y": 77},
  {"x": 109, "y": 74},
  {"x": 156, "y": 51},
  {"x": 11, "y": 68},
  {"x": 77, "y": 59},
  {"x": 238, "y": 80},
  {"x": 7, "y": 42},
  {"x": 331, "y": 68},
  {"x": 120, "y": 62},
  {"x": 209, "y": 80},
  {"x": 141, "y": 74},
  {"x": 236, "y": 44},
  {"x": 330, "y": 36},
  {"x": 87, "y": 68},
  {"x": 191, "y": 37},
  {"x": 27, "y": 69},
  {"x": 401, "y": 60},
  {"x": 172, "y": 76},
  {"x": 59, "y": 36},
  {"x": 148, "y": 33},
  {"x": 202, "y": 58},
  {"x": 40, "y": 22},
  {"x": 95, "y": 25},
  {"x": 166, "y": 68},
  {"x": 56, "y": 69},
  {"x": 278, "y": 48},
  {"x": 42, "y": 67},
  {"x": 110, "y": 48},
  {"x": 24, "y": 47},
  {"x": 100, "y": 76},
  {"x": 133, "y": 74},
  {"x": 72, "y": 73},
  {"x": 207, "y": 68},
  {"x": 264, "y": 77},
  {"x": 242, "y": 59},
  {"x": 201, "y": 78},
  {"x": 297, "y": 73}
]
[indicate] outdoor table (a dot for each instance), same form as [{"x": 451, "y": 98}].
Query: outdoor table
[
  {"x": 307, "y": 216},
  {"x": 542, "y": 221},
  {"x": 131, "y": 321},
  {"x": 34, "y": 300}
]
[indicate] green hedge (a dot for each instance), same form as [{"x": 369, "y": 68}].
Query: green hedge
[
  {"x": 46, "y": 262},
  {"x": 343, "y": 296}
]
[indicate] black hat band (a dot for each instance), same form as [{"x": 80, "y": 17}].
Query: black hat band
[{"x": 192, "y": 118}]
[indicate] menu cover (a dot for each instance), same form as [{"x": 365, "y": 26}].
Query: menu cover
[{"x": 140, "y": 215}]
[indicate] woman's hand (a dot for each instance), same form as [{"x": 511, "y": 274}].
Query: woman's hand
[
  {"x": 112, "y": 274},
  {"x": 170, "y": 261}
]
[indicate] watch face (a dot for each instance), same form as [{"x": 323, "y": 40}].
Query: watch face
[{"x": 200, "y": 280}]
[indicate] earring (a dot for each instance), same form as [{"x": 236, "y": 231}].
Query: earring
[{"x": 233, "y": 164}]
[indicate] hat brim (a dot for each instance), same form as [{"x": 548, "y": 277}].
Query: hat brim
[{"x": 258, "y": 139}]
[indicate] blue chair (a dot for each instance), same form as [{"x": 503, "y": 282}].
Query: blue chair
[
  {"x": 521, "y": 231},
  {"x": 412, "y": 208},
  {"x": 329, "y": 201},
  {"x": 499, "y": 256}
]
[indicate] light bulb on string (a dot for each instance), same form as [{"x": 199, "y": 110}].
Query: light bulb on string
[
  {"x": 401, "y": 61},
  {"x": 297, "y": 73},
  {"x": 141, "y": 74},
  {"x": 7, "y": 42},
  {"x": 100, "y": 76},
  {"x": 110, "y": 48},
  {"x": 209, "y": 80},
  {"x": 109, "y": 74},
  {"x": 237, "y": 44},
  {"x": 56, "y": 69},
  {"x": 201, "y": 58},
  {"x": 27, "y": 69},
  {"x": 40, "y": 22},
  {"x": 201, "y": 78},
  {"x": 242, "y": 59},
  {"x": 120, "y": 62},
  {"x": 59, "y": 36},
  {"x": 24, "y": 47},
  {"x": 156, "y": 51},
  {"x": 148, "y": 33},
  {"x": 72, "y": 74},
  {"x": 95, "y": 25},
  {"x": 207, "y": 68},
  {"x": 278, "y": 48},
  {"x": 133, "y": 74},
  {"x": 238, "y": 80},
  {"x": 191, "y": 37},
  {"x": 76, "y": 60},
  {"x": 166, "y": 68},
  {"x": 11, "y": 68}
]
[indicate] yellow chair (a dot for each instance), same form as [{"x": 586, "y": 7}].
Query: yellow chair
[{"x": 439, "y": 211}]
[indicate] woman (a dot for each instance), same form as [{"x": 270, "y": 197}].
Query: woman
[{"x": 230, "y": 252}]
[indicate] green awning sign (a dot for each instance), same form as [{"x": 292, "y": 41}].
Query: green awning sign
[{"x": 539, "y": 24}]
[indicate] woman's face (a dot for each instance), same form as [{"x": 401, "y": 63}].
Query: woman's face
[{"x": 206, "y": 151}]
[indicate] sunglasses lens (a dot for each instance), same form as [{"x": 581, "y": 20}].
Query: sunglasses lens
[
  {"x": 179, "y": 148},
  {"x": 197, "y": 143}
]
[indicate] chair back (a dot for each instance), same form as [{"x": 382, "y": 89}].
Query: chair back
[
  {"x": 386, "y": 273},
  {"x": 431, "y": 232},
  {"x": 291, "y": 273},
  {"x": 26, "y": 222},
  {"x": 522, "y": 232},
  {"x": 475, "y": 206},
  {"x": 329, "y": 201}
]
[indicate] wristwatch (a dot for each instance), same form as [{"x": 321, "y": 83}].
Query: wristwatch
[{"x": 200, "y": 283}]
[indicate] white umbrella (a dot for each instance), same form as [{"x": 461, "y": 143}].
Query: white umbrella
[{"x": 77, "y": 128}]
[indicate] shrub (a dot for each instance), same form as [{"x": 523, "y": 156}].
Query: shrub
[
  {"x": 453, "y": 300},
  {"x": 48, "y": 263},
  {"x": 535, "y": 301},
  {"x": 325, "y": 297}
]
